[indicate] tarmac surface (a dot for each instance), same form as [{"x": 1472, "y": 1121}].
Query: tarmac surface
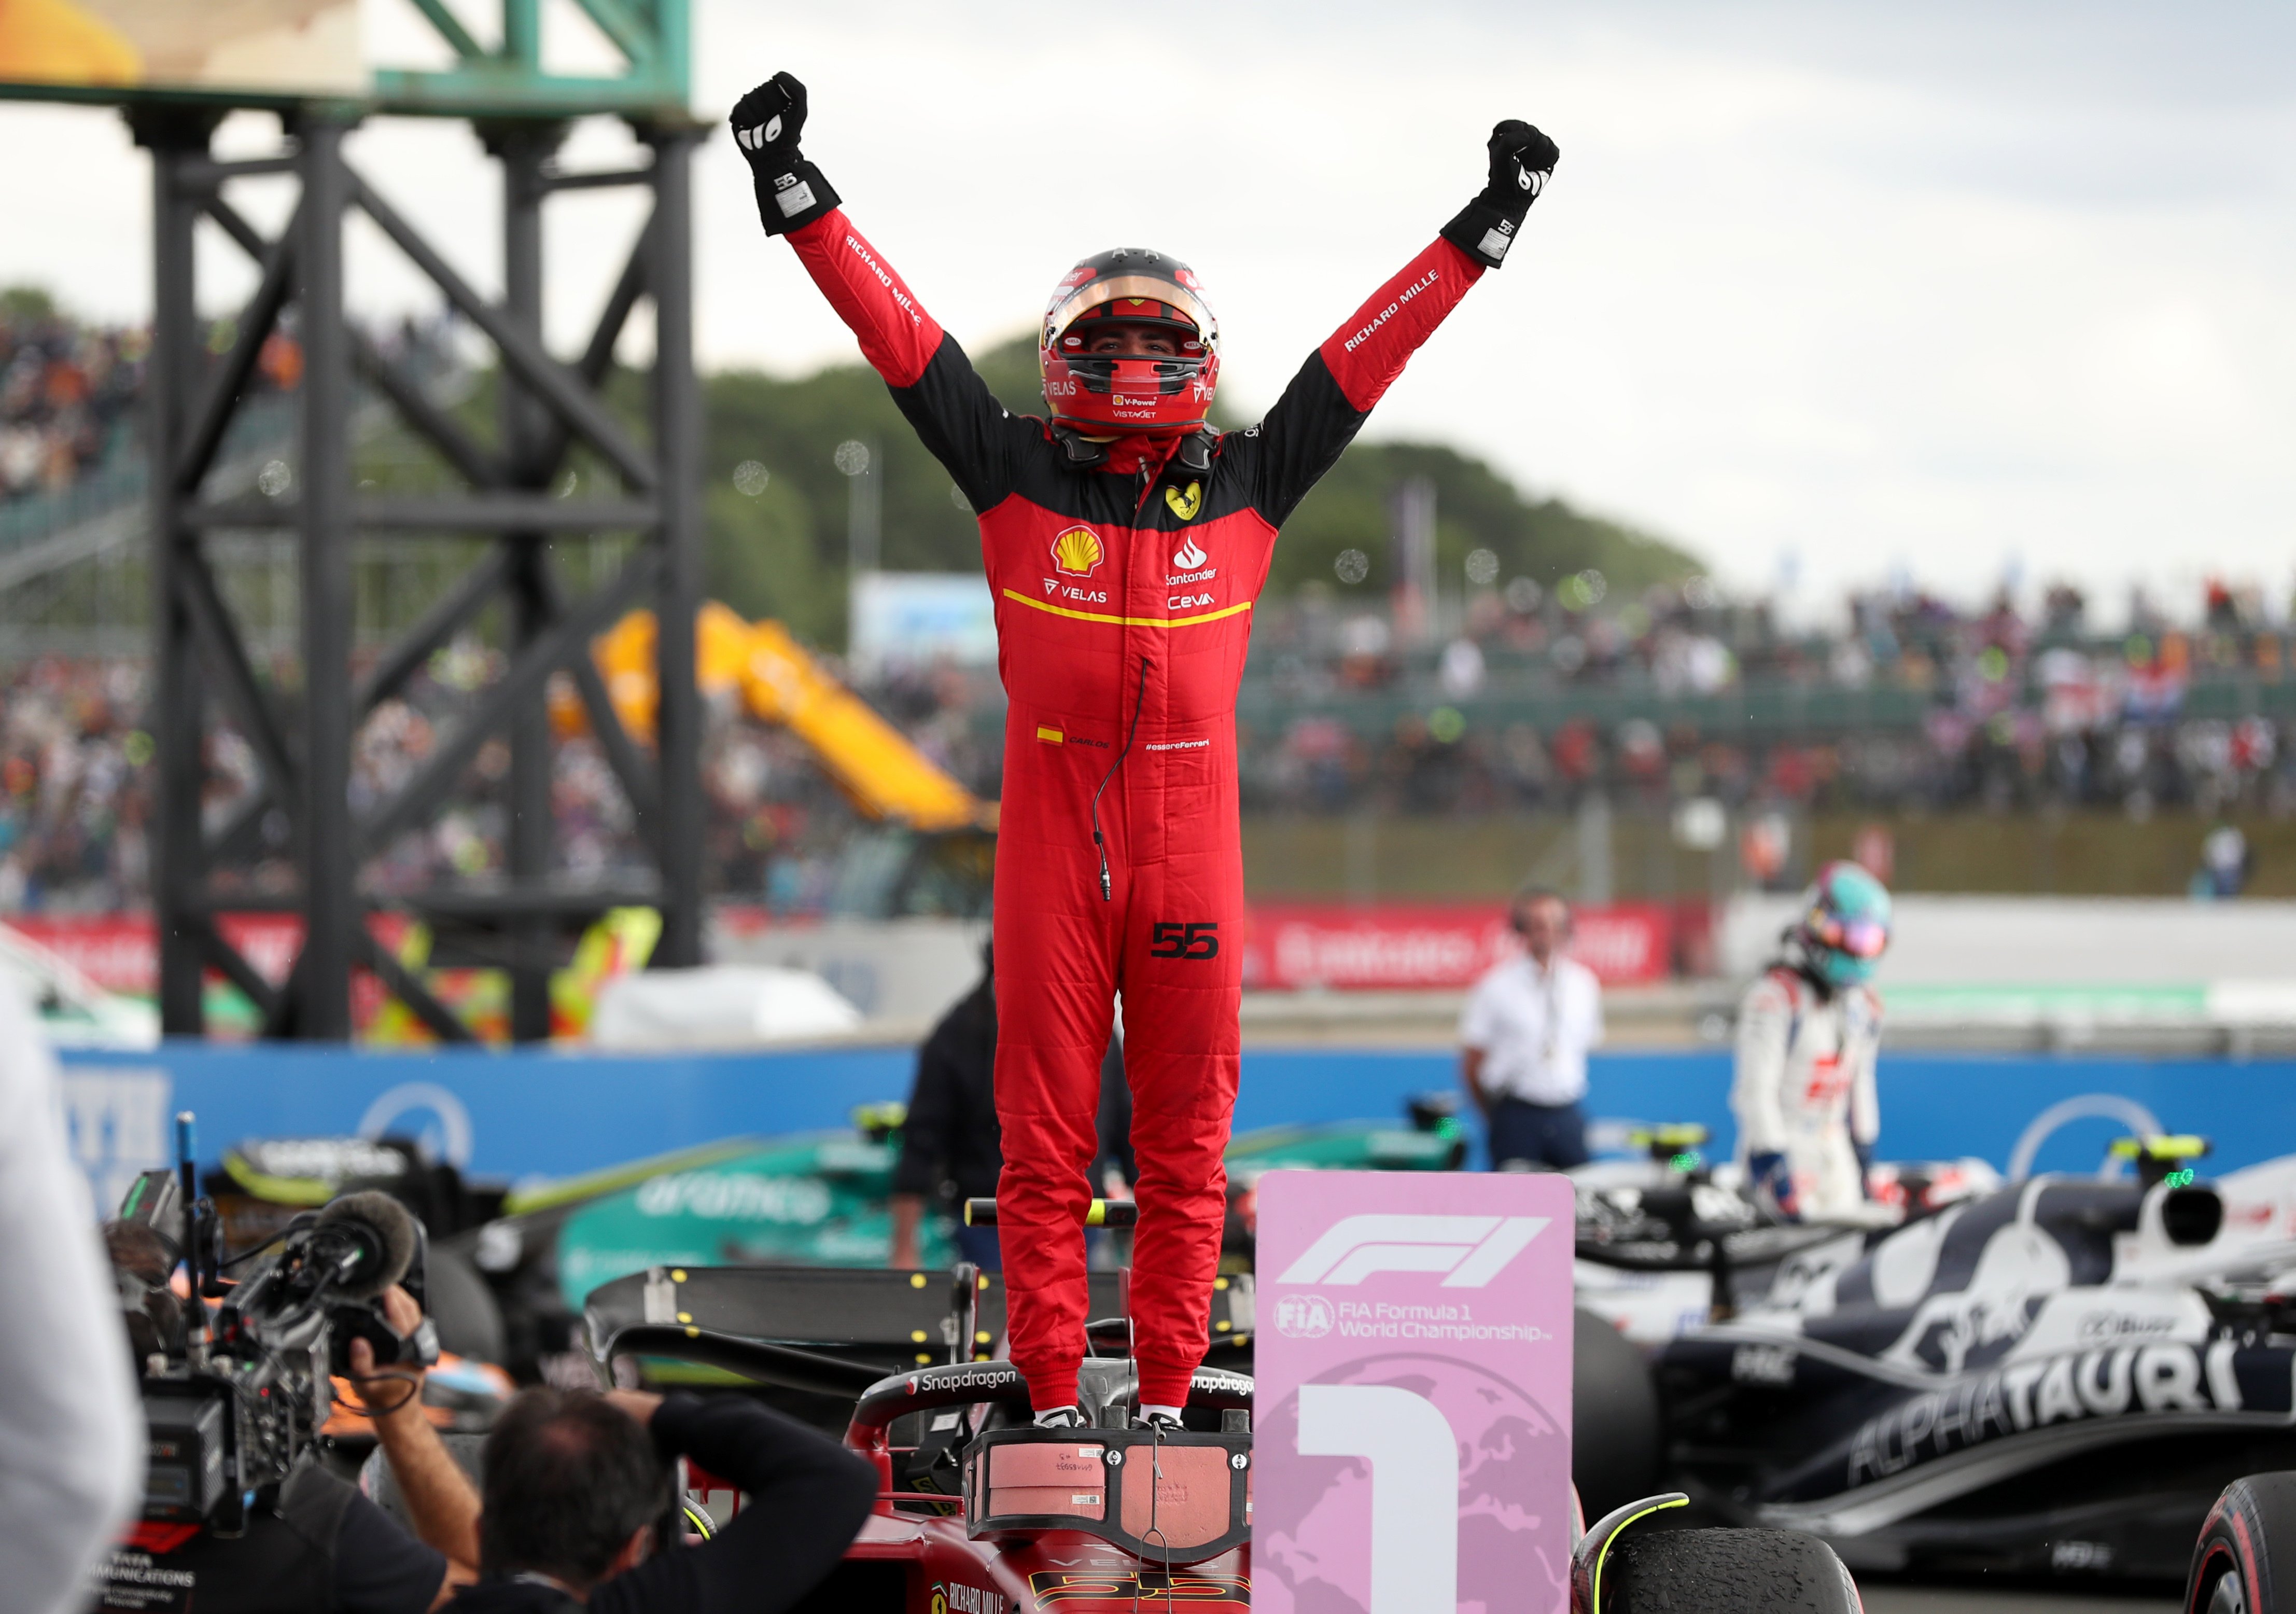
[{"x": 1890, "y": 1597}]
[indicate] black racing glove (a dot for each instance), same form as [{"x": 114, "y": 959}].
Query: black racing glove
[
  {"x": 1522, "y": 160},
  {"x": 767, "y": 122}
]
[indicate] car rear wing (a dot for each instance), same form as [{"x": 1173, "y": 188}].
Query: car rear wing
[{"x": 839, "y": 1329}]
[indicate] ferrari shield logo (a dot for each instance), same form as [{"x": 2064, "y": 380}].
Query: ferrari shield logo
[{"x": 1186, "y": 502}]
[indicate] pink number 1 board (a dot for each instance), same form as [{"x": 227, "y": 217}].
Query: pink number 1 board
[{"x": 1411, "y": 1451}]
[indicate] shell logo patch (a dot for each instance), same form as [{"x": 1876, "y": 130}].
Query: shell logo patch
[
  {"x": 1184, "y": 502},
  {"x": 1078, "y": 551}
]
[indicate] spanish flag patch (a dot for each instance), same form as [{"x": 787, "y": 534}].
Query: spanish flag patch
[{"x": 1051, "y": 736}]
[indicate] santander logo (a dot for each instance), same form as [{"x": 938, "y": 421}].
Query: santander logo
[{"x": 1191, "y": 566}]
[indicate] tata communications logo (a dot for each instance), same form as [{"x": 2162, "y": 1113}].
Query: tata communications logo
[{"x": 1469, "y": 1251}]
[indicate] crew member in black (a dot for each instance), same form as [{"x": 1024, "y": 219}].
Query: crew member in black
[
  {"x": 577, "y": 1483},
  {"x": 951, "y": 1150},
  {"x": 949, "y": 1140}
]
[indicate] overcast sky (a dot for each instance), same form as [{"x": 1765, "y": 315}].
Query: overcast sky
[{"x": 1946, "y": 291}]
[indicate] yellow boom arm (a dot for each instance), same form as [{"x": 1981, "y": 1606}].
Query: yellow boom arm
[{"x": 870, "y": 760}]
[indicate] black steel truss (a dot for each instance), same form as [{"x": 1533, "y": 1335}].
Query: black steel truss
[{"x": 303, "y": 744}]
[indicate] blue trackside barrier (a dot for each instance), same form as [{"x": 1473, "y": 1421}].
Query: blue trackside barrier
[
  {"x": 1933, "y": 1106},
  {"x": 519, "y": 1114}
]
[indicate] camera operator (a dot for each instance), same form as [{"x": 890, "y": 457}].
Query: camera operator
[
  {"x": 578, "y": 1485},
  {"x": 318, "y": 1544}
]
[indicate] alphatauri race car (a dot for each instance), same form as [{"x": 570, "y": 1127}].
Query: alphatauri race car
[
  {"x": 2058, "y": 1376},
  {"x": 1637, "y": 1269},
  {"x": 979, "y": 1512}
]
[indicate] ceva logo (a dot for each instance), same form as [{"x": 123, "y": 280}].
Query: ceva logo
[{"x": 1470, "y": 1251}]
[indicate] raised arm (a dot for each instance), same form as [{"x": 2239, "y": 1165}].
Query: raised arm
[
  {"x": 931, "y": 380},
  {"x": 1334, "y": 392}
]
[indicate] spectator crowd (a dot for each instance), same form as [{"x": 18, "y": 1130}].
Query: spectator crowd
[
  {"x": 1913, "y": 706},
  {"x": 1519, "y": 697},
  {"x": 76, "y": 784},
  {"x": 1533, "y": 703},
  {"x": 67, "y": 390}
]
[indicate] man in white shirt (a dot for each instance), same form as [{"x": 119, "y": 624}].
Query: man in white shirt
[{"x": 1524, "y": 1038}]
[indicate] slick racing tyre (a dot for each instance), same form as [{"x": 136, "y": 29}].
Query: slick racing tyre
[
  {"x": 1726, "y": 1572},
  {"x": 2248, "y": 1541},
  {"x": 1614, "y": 1424}
]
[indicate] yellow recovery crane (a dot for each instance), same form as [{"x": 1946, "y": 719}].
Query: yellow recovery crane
[
  {"x": 933, "y": 858},
  {"x": 885, "y": 776}
]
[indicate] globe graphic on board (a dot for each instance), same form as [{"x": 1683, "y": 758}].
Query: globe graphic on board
[{"x": 1514, "y": 1529}]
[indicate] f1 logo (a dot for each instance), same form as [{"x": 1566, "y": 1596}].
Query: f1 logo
[{"x": 1468, "y": 1250}]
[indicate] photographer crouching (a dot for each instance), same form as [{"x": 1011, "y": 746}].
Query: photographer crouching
[{"x": 578, "y": 1485}]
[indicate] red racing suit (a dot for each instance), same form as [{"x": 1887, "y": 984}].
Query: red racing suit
[{"x": 1123, "y": 595}]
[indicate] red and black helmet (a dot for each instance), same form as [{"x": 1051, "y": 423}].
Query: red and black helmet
[{"x": 1111, "y": 394}]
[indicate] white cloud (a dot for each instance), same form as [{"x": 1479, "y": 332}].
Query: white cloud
[{"x": 1875, "y": 286}]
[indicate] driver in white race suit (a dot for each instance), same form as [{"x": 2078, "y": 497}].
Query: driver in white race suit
[{"x": 1808, "y": 1035}]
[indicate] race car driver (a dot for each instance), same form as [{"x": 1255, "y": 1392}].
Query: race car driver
[
  {"x": 1809, "y": 1032},
  {"x": 1125, "y": 541}
]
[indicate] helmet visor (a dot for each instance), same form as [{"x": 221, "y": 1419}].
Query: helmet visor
[
  {"x": 1859, "y": 938},
  {"x": 1132, "y": 373},
  {"x": 1152, "y": 292}
]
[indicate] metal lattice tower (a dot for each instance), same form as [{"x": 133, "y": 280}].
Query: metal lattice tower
[{"x": 303, "y": 738}]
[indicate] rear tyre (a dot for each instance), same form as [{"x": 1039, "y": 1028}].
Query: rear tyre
[
  {"x": 1726, "y": 1572},
  {"x": 1614, "y": 1427},
  {"x": 2248, "y": 1543}
]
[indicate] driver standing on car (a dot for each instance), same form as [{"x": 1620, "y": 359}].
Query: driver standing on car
[
  {"x": 1125, "y": 542},
  {"x": 1809, "y": 1033}
]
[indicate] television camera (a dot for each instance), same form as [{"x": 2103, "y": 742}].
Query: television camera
[{"x": 235, "y": 1397}]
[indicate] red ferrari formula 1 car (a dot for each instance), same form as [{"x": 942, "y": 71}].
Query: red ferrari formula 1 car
[{"x": 980, "y": 1513}]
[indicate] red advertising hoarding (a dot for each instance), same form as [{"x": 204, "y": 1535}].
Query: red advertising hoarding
[
  {"x": 119, "y": 952},
  {"x": 1397, "y": 946},
  {"x": 1287, "y": 946}
]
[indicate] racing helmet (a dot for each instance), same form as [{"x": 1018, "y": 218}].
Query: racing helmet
[
  {"x": 1844, "y": 927},
  {"x": 1117, "y": 395}
]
